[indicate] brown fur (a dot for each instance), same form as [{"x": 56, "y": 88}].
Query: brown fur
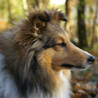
[{"x": 34, "y": 51}]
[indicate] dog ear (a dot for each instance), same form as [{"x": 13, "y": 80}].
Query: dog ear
[
  {"x": 41, "y": 20},
  {"x": 61, "y": 16},
  {"x": 57, "y": 15}
]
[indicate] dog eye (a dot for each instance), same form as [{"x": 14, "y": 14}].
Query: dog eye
[{"x": 62, "y": 44}]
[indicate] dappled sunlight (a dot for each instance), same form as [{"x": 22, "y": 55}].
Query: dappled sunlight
[
  {"x": 81, "y": 25},
  {"x": 57, "y": 2}
]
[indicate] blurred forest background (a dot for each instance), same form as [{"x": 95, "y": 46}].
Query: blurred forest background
[{"x": 82, "y": 26}]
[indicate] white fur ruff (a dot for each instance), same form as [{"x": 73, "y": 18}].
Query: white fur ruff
[{"x": 8, "y": 88}]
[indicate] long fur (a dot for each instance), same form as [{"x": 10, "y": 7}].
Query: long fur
[
  {"x": 8, "y": 87},
  {"x": 21, "y": 74},
  {"x": 26, "y": 58}
]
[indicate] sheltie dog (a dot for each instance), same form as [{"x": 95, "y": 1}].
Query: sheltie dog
[{"x": 37, "y": 56}]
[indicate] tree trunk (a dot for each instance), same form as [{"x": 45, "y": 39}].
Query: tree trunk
[
  {"x": 25, "y": 7},
  {"x": 68, "y": 9},
  {"x": 94, "y": 28},
  {"x": 43, "y": 3},
  {"x": 37, "y": 3},
  {"x": 81, "y": 24},
  {"x": 9, "y": 12}
]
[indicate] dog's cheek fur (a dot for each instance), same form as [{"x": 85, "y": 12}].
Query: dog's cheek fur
[
  {"x": 31, "y": 68},
  {"x": 45, "y": 61},
  {"x": 39, "y": 69}
]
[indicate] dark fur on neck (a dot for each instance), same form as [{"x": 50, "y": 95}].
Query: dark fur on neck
[
  {"x": 22, "y": 47},
  {"x": 35, "y": 77}
]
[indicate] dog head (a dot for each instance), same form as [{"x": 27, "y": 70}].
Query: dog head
[{"x": 41, "y": 36}]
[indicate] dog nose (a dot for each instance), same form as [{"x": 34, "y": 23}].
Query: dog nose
[{"x": 91, "y": 59}]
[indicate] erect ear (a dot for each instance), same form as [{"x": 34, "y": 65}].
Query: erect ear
[
  {"x": 61, "y": 16},
  {"x": 42, "y": 19},
  {"x": 57, "y": 15}
]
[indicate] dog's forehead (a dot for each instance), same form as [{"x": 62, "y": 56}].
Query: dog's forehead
[
  {"x": 57, "y": 31},
  {"x": 63, "y": 36},
  {"x": 55, "y": 28}
]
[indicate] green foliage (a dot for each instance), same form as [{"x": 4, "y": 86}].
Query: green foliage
[
  {"x": 16, "y": 9},
  {"x": 97, "y": 31},
  {"x": 62, "y": 8},
  {"x": 3, "y": 8}
]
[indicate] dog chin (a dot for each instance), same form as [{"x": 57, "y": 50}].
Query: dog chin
[
  {"x": 73, "y": 67},
  {"x": 80, "y": 69}
]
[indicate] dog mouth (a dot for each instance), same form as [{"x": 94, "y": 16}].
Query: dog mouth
[{"x": 72, "y": 66}]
